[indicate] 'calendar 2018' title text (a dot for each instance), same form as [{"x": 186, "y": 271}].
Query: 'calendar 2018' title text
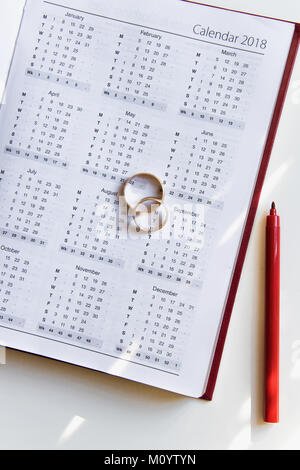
[{"x": 227, "y": 36}]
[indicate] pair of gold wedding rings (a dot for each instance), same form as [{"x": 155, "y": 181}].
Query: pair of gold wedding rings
[{"x": 144, "y": 195}]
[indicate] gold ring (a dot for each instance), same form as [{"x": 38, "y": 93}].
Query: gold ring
[
  {"x": 133, "y": 205},
  {"x": 161, "y": 225}
]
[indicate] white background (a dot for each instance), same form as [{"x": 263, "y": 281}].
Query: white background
[{"x": 49, "y": 405}]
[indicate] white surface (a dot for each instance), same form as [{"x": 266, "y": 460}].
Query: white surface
[{"x": 49, "y": 405}]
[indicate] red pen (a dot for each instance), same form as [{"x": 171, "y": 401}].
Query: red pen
[{"x": 272, "y": 318}]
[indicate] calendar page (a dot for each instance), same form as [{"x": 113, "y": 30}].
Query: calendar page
[{"x": 99, "y": 91}]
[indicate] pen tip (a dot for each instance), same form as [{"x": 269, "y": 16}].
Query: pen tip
[{"x": 273, "y": 205}]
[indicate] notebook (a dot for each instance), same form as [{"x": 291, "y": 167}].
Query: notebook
[{"x": 97, "y": 92}]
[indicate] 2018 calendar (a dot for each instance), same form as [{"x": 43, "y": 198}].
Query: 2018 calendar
[{"x": 97, "y": 92}]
